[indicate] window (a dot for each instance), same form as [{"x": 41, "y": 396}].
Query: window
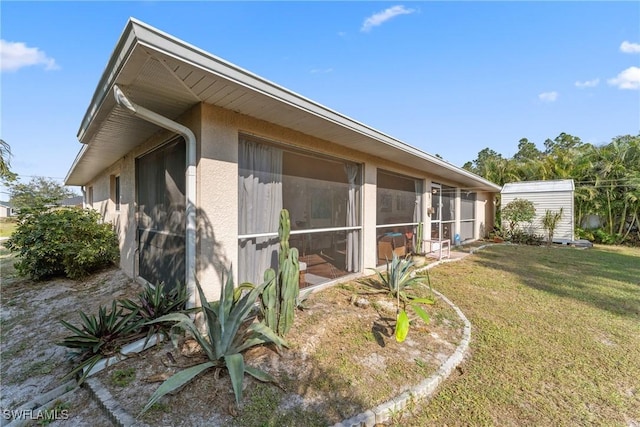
[
  {"x": 322, "y": 195},
  {"x": 115, "y": 191},
  {"x": 399, "y": 210},
  {"x": 90, "y": 197}
]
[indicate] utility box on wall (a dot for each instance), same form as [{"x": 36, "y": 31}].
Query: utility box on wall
[{"x": 545, "y": 195}]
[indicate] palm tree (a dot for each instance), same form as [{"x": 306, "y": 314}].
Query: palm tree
[{"x": 5, "y": 159}]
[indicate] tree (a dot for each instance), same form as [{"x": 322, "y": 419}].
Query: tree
[
  {"x": 517, "y": 211},
  {"x": 527, "y": 150},
  {"x": 39, "y": 191},
  {"x": 607, "y": 178},
  {"x": 5, "y": 162},
  {"x": 550, "y": 223}
]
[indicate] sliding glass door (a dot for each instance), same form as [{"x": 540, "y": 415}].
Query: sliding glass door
[
  {"x": 443, "y": 217},
  {"x": 160, "y": 212},
  {"x": 322, "y": 195},
  {"x": 398, "y": 212}
]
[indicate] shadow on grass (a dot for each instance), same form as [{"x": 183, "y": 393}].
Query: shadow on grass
[{"x": 605, "y": 278}]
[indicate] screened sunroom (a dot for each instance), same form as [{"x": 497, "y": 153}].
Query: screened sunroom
[{"x": 322, "y": 195}]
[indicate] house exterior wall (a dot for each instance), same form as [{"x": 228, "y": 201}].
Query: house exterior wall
[
  {"x": 102, "y": 191},
  {"x": 485, "y": 213},
  {"x": 217, "y": 132},
  {"x": 218, "y": 193},
  {"x": 548, "y": 200}
]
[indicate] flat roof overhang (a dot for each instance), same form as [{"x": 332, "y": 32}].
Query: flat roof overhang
[{"x": 169, "y": 76}]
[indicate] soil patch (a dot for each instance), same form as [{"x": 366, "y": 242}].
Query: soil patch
[{"x": 342, "y": 360}]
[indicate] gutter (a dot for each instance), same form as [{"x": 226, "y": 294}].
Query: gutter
[{"x": 190, "y": 186}]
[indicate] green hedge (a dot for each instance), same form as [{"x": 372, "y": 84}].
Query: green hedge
[{"x": 66, "y": 241}]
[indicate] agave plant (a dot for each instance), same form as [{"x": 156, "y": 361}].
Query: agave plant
[
  {"x": 99, "y": 336},
  {"x": 155, "y": 302},
  {"x": 397, "y": 280},
  {"x": 229, "y": 331}
]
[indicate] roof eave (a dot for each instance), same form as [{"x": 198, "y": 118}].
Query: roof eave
[{"x": 138, "y": 33}]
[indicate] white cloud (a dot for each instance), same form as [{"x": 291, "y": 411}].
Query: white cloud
[
  {"x": 321, "y": 70},
  {"x": 382, "y": 17},
  {"x": 548, "y": 96},
  {"x": 588, "y": 83},
  {"x": 15, "y": 55},
  {"x": 627, "y": 79},
  {"x": 628, "y": 47}
]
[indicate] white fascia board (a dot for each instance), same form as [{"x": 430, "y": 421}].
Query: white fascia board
[
  {"x": 75, "y": 164},
  {"x": 182, "y": 51},
  {"x": 121, "y": 52}
]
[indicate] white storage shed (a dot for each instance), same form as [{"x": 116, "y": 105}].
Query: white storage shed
[{"x": 546, "y": 195}]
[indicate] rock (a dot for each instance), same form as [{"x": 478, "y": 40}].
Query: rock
[
  {"x": 190, "y": 348},
  {"x": 362, "y": 303}
]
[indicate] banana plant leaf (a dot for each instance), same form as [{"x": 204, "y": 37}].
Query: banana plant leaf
[{"x": 402, "y": 326}]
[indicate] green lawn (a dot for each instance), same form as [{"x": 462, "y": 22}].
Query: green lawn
[
  {"x": 7, "y": 227},
  {"x": 555, "y": 338}
]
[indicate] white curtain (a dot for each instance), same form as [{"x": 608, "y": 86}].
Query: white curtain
[
  {"x": 353, "y": 236},
  {"x": 259, "y": 206}
]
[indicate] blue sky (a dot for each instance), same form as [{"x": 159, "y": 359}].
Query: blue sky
[{"x": 450, "y": 78}]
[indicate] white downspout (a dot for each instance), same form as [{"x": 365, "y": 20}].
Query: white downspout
[{"x": 190, "y": 190}]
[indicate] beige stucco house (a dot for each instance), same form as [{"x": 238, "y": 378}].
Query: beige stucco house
[{"x": 192, "y": 158}]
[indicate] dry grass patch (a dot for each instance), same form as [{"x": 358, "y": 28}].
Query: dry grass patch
[{"x": 343, "y": 359}]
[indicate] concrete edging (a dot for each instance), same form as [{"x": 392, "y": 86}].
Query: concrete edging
[
  {"x": 380, "y": 414},
  {"x": 45, "y": 400},
  {"x": 427, "y": 388}
]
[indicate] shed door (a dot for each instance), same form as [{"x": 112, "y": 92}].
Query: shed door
[{"x": 160, "y": 179}]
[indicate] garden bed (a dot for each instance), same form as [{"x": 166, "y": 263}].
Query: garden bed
[{"x": 343, "y": 359}]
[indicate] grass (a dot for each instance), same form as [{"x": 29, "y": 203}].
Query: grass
[
  {"x": 123, "y": 377},
  {"x": 555, "y": 338},
  {"x": 7, "y": 227}
]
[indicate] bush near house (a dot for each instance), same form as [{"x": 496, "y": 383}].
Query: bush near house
[
  {"x": 67, "y": 241},
  {"x": 517, "y": 212}
]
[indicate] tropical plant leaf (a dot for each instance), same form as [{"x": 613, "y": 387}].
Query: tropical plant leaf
[
  {"x": 246, "y": 286},
  {"x": 259, "y": 374},
  {"x": 429, "y": 301},
  {"x": 259, "y": 333},
  {"x": 185, "y": 323},
  {"x": 175, "y": 382},
  {"x": 85, "y": 367},
  {"x": 235, "y": 366},
  {"x": 402, "y": 326},
  {"x": 421, "y": 312}
]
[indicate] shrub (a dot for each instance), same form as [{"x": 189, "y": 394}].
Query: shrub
[
  {"x": 524, "y": 238},
  {"x": 517, "y": 211},
  {"x": 155, "y": 302},
  {"x": 99, "y": 336},
  {"x": 397, "y": 281},
  {"x": 67, "y": 241},
  {"x": 550, "y": 223}
]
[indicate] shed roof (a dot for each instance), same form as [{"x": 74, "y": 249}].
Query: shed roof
[
  {"x": 549, "y": 186},
  {"x": 169, "y": 76}
]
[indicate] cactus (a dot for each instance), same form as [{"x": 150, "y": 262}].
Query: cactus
[
  {"x": 419, "y": 239},
  {"x": 280, "y": 295}
]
